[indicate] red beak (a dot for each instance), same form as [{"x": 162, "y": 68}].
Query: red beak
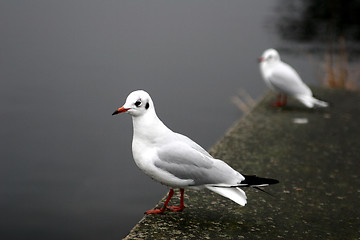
[
  {"x": 260, "y": 59},
  {"x": 120, "y": 110}
]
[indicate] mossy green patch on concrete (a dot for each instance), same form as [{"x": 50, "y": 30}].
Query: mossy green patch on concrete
[{"x": 317, "y": 162}]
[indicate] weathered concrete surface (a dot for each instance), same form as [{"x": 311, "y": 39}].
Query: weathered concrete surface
[{"x": 317, "y": 163}]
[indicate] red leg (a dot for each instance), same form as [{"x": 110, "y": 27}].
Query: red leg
[
  {"x": 280, "y": 101},
  {"x": 161, "y": 210},
  {"x": 284, "y": 100},
  {"x": 182, "y": 206}
]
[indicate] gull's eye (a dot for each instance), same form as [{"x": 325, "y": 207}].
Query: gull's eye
[{"x": 138, "y": 103}]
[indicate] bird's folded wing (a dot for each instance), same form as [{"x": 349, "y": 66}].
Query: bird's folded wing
[
  {"x": 185, "y": 162},
  {"x": 285, "y": 79},
  {"x": 192, "y": 144}
]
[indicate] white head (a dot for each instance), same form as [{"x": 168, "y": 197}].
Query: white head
[
  {"x": 269, "y": 56},
  {"x": 137, "y": 104}
]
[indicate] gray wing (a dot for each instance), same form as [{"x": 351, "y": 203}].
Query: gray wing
[
  {"x": 184, "y": 162},
  {"x": 192, "y": 144},
  {"x": 286, "y": 80}
]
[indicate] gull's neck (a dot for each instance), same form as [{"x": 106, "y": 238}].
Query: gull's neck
[
  {"x": 268, "y": 66},
  {"x": 148, "y": 127}
]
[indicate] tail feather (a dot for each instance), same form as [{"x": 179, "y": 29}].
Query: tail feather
[
  {"x": 310, "y": 101},
  {"x": 235, "y": 194},
  {"x": 320, "y": 103}
]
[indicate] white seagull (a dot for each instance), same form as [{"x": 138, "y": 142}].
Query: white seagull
[
  {"x": 178, "y": 162},
  {"x": 282, "y": 78}
]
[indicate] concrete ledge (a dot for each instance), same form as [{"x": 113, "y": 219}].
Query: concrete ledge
[{"x": 317, "y": 163}]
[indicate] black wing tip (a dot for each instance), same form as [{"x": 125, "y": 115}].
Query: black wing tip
[
  {"x": 272, "y": 181},
  {"x": 253, "y": 180}
]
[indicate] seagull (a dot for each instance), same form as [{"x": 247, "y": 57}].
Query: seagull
[
  {"x": 282, "y": 78},
  {"x": 178, "y": 162}
]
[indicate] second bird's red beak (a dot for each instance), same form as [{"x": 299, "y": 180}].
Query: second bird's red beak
[{"x": 120, "y": 110}]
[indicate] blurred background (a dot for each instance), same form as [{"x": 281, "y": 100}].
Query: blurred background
[{"x": 66, "y": 165}]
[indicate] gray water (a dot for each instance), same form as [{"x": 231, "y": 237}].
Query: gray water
[{"x": 66, "y": 166}]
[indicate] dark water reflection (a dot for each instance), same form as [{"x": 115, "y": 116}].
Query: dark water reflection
[
  {"x": 319, "y": 20},
  {"x": 320, "y": 25},
  {"x": 66, "y": 165}
]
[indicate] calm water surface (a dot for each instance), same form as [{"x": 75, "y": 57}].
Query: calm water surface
[{"x": 66, "y": 166}]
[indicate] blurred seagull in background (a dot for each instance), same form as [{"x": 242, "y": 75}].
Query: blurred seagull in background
[
  {"x": 178, "y": 162},
  {"x": 283, "y": 79}
]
